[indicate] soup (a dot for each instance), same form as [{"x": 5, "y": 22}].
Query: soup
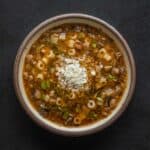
[{"x": 74, "y": 75}]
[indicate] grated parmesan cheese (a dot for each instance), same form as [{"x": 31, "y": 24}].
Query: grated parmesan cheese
[{"x": 71, "y": 74}]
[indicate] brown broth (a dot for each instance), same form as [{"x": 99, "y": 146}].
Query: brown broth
[{"x": 74, "y": 75}]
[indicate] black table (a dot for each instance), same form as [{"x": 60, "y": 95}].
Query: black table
[{"x": 131, "y": 18}]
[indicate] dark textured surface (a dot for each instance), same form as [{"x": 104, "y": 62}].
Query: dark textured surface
[{"x": 131, "y": 18}]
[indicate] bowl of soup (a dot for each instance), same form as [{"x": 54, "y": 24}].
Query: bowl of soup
[{"x": 74, "y": 74}]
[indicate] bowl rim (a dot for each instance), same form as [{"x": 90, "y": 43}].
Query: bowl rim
[{"x": 121, "y": 40}]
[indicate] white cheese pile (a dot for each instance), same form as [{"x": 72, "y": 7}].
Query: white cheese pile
[{"x": 71, "y": 74}]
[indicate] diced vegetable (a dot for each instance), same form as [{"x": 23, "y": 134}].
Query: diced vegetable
[
  {"x": 71, "y": 43},
  {"x": 40, "y": 76},
  {"x": 62, "y": 36},
  {"x": 115, "y": 71},
  {"x": 86, "y": 43},
  {"x": 108, "y": 68},
  {"x": 38, "y": 48},
  {"x": 54, "y": 38},
  {"x": 93, "y": 72},
  {"x": 37, "y": 94},
  {"x": 108, "y": 91},
  {"x": 44, "y": 107},
  {"x": 107, "y": 57}
]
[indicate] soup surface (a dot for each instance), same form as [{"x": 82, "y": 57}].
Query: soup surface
[{"x": 74, "y": 75}]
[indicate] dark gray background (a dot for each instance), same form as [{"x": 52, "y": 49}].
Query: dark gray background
[{"x": 131, "y": 18}]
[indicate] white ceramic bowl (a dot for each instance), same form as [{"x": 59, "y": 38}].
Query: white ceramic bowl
[{"x": 53, "y": 22}]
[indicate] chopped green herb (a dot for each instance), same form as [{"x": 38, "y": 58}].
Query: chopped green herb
[
  {"x": 48, "y": 84},
  {"x": 92, "y": 115},
  {"x": 81, "y": 35},
  {"x": 112, "y": 78},
  {"x": 65, "y": 115},
  {"x": 78, "y": 108},
  {"x": 94, "y": 44},
  {"x": 45, "y": 84},
  {"x": 55, "y": 50},
  {"x": 40, "y": 47},
  {"x": 42, "y": 96}
]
